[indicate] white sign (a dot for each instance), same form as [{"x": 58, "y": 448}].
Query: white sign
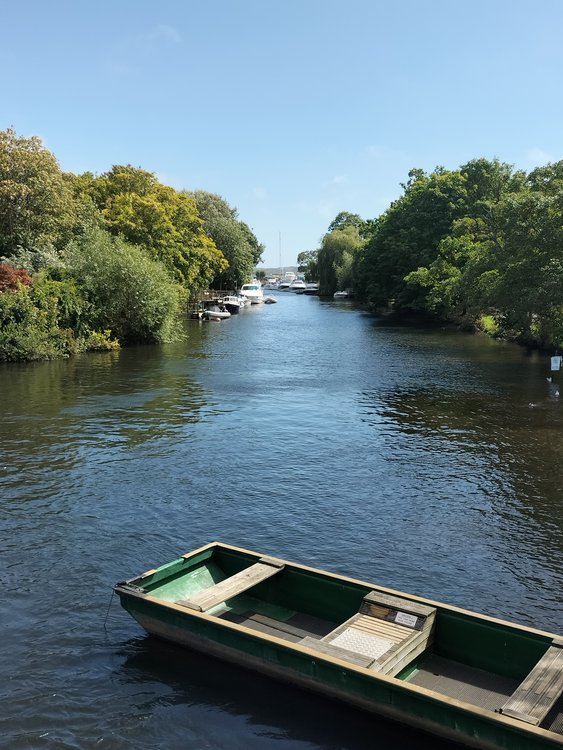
[
  {"x": 555, "y": 364},
  {"x": 404, "y": 619}
]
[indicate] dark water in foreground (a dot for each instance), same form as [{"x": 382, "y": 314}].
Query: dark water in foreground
[{"x": 424, "y": 460}]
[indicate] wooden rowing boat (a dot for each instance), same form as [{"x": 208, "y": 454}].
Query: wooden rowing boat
[{"x": 480, "y": 681}]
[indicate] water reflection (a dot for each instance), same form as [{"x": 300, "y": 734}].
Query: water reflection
[
  {"x": 246, "y": 709},
  {"x": 420, "y": 459},
  {"x": 482, "y": 450}
]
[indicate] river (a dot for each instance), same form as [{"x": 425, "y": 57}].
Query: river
[{"x": 422, "y": 459}]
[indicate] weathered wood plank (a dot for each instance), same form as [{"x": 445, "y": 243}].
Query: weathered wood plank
[
  {"x": 539, "y": 691},
  {"x": 284, "y": 627},
  {"x": 230, "y": 587},
  {"x": 381, "y": 628},
  {"x": 337, "y": 652},
  {"x": 403, "y": 653},
  {"x": 395, "y": 609},
  {"x": 396, "y": 602}
]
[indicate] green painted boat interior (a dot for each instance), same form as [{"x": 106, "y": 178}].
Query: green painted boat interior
[{"x": 470, "y": 658}]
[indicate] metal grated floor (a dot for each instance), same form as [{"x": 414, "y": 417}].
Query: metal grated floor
[{"x": 464, "y": 683}]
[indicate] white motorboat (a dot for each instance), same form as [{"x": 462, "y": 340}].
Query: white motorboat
[
  {"x": 312, "y": 288},
  {"x": 298, "y": 286},
  {"x": 253, "y": 292},
  {"x": 340, "y": 295},
  {"x": 286, "y": 282},
  {"x": 231, "y": 303},
  {"x": 215, "y": 313}
]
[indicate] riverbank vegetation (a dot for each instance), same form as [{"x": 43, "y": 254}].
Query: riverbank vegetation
[
  {"x": 481, "y": 246},
  {"x": 95, "y": 262}
]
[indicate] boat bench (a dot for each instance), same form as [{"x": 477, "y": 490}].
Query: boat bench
[
  {"x": 385, "y": 635},
  {"x": 204, "y": 600},
  {"x": 536, "y": 695}
]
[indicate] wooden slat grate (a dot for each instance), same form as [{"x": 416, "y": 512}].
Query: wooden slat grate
[
  {"x": 539, "y": 691},
  {"x": 380, "y": 628},
  {"x": 388, "y": 630}
]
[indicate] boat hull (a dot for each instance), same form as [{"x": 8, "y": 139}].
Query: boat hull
[
  {"x": 296, "y": 663},
  {"x": 216, "y": 315}
]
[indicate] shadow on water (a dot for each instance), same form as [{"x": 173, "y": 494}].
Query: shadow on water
[{"x": 270, "y": 710}]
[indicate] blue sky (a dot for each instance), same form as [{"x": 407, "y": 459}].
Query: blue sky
[{"x": 292, "y": 110}]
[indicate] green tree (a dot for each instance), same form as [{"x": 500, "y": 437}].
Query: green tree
[
  {"x": 407, "y": 237},
  {"x": 459, "y": 282},
  {"x": 308, "y": 264},
  {"x": 129, "y": 294},
  {"x": 163, "y": 221},
  {"x": 346, "y": 219},
  {"x": 336, "y": 259},
  {"x": 524, "y": 273},
  {"x": 233, "y": 237},
  {"x": 37, "y": 206}
]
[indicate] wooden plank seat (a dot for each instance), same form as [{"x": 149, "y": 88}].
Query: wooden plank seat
[
  {"x": 385, "y": 635},
  {"x": 204, "y": 600},
  {"x": 269, "y": 625},
  {"x": 540, "y": 689}
]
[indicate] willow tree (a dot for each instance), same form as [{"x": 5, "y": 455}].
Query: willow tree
[{"x": 336, "y": 258}]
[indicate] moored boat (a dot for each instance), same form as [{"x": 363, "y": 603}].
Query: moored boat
[
  {"x": 477, "y": 680},
  {"x": 311, "y": 288},
  {"x": 340, "y": 295},
  {"x": 231, "y": 303},
  {"x": 298, "y": 286},
  {"x": 216, "y": 313},
  {"x": 253, "y": 292}
]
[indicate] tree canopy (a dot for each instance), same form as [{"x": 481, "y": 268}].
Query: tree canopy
[
  {"x": 483, "y": 241},
  {"x": 234, "y": 239},
  {"x": 38, "y": 207},
  {"x": 337, "y": 256},
  {"x": 163, "y": 221},
  {"x": 90, "y": 262}
]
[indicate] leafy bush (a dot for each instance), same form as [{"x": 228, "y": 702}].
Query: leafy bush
[
  {"x": 129, "y": 294},
  {"x": 28, "y": 332},
  {"x": 34, "y": 259},
  {"x": 489, "y": 324},
  {"x": 101, "y": 341},
  {"x": 11, "y": 278},
  {"x": 71, "y": 309}
]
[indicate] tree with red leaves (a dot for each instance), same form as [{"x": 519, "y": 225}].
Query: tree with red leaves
[{"x": 11, "y": 278}]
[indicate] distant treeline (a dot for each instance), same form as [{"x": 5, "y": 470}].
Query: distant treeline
[
  {"x": 481, "y": 246},
  {"x": 95, "y": 262}
]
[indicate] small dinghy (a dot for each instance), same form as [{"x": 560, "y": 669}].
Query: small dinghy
[{"x": 474, "y": 679}]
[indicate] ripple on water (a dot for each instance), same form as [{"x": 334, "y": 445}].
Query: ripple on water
[{"x": 310, "y": 431}]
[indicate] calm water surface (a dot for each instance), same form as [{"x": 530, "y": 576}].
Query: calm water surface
[{"x": 425, "y": 460}]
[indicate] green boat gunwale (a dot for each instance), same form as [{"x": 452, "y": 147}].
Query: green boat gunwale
[{"x": 134, "y": 588}]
